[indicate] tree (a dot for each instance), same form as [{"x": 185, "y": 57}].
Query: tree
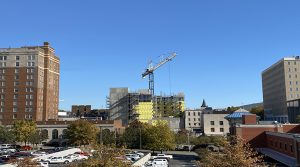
[
  {"x": 6, "y": 136},
  {"x": 235, "y": 153},
  {"x": 159, "y": 137},
  {"x": 105, "y": 157},
  {"x": 181, "y": 137},
  {"x": 108, "y": 137},
  {"x": 37, "y": 137},
  {"x": 259, "y": 111},
  {"x": 81, "y": 132},
  {"x": 23, "y": 129},
  {"x": 232, "y": 108}
]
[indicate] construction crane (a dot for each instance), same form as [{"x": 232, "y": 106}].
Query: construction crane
[{"x": 150, "y": 71}]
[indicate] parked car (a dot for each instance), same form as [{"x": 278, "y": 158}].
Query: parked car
[
  {"x": 26, "y": 148},
  {"x": 132, "y": 157},
  {"x": 77, "y": 157},
  {"x": 138, "y": 153},
  {"x": 5, "y": 146},
  {"x": 160, "y": 163},
  {"x": 163, "y": 155},
  {"x": 38, "y": 153},
  {"x": 58, "y": 160}
]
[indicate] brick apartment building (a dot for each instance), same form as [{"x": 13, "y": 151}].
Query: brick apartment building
[
  {"x": 29, "y": 83},
  {"x": 278, "y": 141}
]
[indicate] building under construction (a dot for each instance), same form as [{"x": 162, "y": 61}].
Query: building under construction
[{"x": 142, "y": 106}]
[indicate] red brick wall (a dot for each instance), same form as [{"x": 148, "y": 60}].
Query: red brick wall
[
  {"x": 254, "y": 136},
  {"x": 291, "y": 128},
  {"x": 281, "y": 144},
  {"x": 249, "y": 119}
]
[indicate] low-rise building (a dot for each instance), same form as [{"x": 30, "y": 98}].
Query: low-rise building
[
  {"x": 80, "y": 110},
  {"x": 215, "y": 124}
]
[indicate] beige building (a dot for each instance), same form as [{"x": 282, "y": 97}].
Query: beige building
[
  {"x": 215, "y": 124},
  {"x": 29, "y": 83},
  {"x": 280, "y": 83}
]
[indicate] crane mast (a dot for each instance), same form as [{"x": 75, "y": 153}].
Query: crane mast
[{"x": 150, "y": 71}]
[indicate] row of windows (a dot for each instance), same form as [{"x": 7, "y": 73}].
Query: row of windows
[
  {"x": 195, "y": 124},
  {"x": 290, "y": 76},
  {"x": 295, "y": 63},
  {"x": 17, "y": 64},
  {"x": 17, "y": 70},
  {"x": 294, "y": 70},
  {"x": 15, "y": 96},
  {"x": 15, "y": 109},
  {"x": 194, "y": 119},
  {"x": 27, "y": 116},
  {"x": 213, "y": 123},
  {"x": 281, "y": 146},
  {"x": 213, "y": 130},
  {"x": 29, "y": 57},
  {"x": 194, "y": 113},
  {"x": 15, "y": 103}
]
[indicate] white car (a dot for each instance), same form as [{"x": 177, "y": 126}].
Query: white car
[
  {"x": 38, "y": 153},
  {"x": 138, "y": 153},
  {"x": 77, "y": 157},
  {"x": 163, "y": 156},
  {"x": 43, "y": 164},
  {"x": 5, "y": 145},
  {"x": 133, "y": 157},
  {"x": 160, "y": 163},
  {"x": 58, "y": 160}
]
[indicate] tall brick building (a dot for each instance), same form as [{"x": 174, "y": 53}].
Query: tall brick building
[{"x": 29, "y": 83}]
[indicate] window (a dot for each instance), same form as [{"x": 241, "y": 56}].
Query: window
[
  {"x": 290, "y": 76},
  {"x": 31, "y": 57},
  {"x": 2, "y": 109},
  {"x": 291, "y": 89},
  {"x": 30, "y": 64},
  {"x": 16, "y": 83},
  {"x": 195, "y": 124},
  {"x": 189, "y": 113},
  {"x": 16, "y": 70},
  {"x": 212, "y": 129},
  {"x": 198, "y": 119},
  {"x": 194, "y": 114},
  {"x": 190, "y": 124},
  {"x": 30, "y": 70},
  {"x": 295, "y": 69},
  {"x": 2, "y": 97},
  {"x": 295, "y": 75},
  {"x": 17, "y": 57},
  {"x": 15, "y": 109},
  {"x": 15, "y": 96},
  {"x": 15, "y": 103},
  {"x": 221, "y": 123},
  {"x": 212, "y": 123},
  {"x": 15, "y": 116},
  {"x": 3, "y": 64},
  {"x": 289, "y": 63},
  {"x": 3, "y": 57},
  {"x": 189, "y": 119},
  {"x": 17, "y": 77},
  {"x": 2, "y": 83},
  {"x": 198, "y": 113},
  {"x": 17, "y": 64},
  {"x": 16, "y": 90},
  {"x": 289, "y": 70},
  {"x": 292, "y": 148},
  {"x": 221, "y": 129}
]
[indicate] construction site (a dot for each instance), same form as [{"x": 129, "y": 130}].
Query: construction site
[{"x": 143, "y": 105}]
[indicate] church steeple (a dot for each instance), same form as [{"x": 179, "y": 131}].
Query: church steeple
[{"x": 203, "y": 104}]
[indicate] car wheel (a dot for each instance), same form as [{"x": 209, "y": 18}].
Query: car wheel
[{"x": 66, "y": 162}]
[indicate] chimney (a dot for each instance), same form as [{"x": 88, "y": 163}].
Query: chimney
[{"x": 46, "y": 44}]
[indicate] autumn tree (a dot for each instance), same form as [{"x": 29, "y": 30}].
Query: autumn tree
[
  {"x": 23, "y": 129},
  {"x": 6, "y": 136},
  {"x": 104, "y": 157},
  {"x": 81, "y": 132},
  {"x": 107, "y": 137},
  {"x": 235, "y": 153},
  {"x": 159, "y": 137},
  {"x": 259, "y": 111}
]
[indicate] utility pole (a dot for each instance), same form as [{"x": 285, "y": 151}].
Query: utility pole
[{"x": 140, "y": 138}]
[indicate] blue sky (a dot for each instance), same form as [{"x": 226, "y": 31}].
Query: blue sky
[{"x": 222, "y": 46}]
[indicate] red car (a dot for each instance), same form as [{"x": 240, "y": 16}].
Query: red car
[
  {"x": 26, "y": 148},
  {"x": 82, "y": 153}
]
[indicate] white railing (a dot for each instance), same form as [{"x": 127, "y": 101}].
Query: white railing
[{"x": 142, "y": 161}]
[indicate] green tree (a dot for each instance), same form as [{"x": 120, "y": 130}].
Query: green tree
[
  {"x": 81, "y": 132},
  {"x": 37, "y": 137},
  {"x": 259, "y": 111},
  {"x": 159, "y": 137},
  {"x": 108, "y": 137},
  {"x": 182, "y": 137},
  {"x": 235, "y": 153},
  {"x": 6, "y": 136},
  {"x": 23, "y": 129},
  {"x": 232, "y": 108}
]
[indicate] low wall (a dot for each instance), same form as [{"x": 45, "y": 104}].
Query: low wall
[{"x": 142, "y": 161}]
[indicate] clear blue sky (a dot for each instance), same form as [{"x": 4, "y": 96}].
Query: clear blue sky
[{"x": 222, "y": 46}]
